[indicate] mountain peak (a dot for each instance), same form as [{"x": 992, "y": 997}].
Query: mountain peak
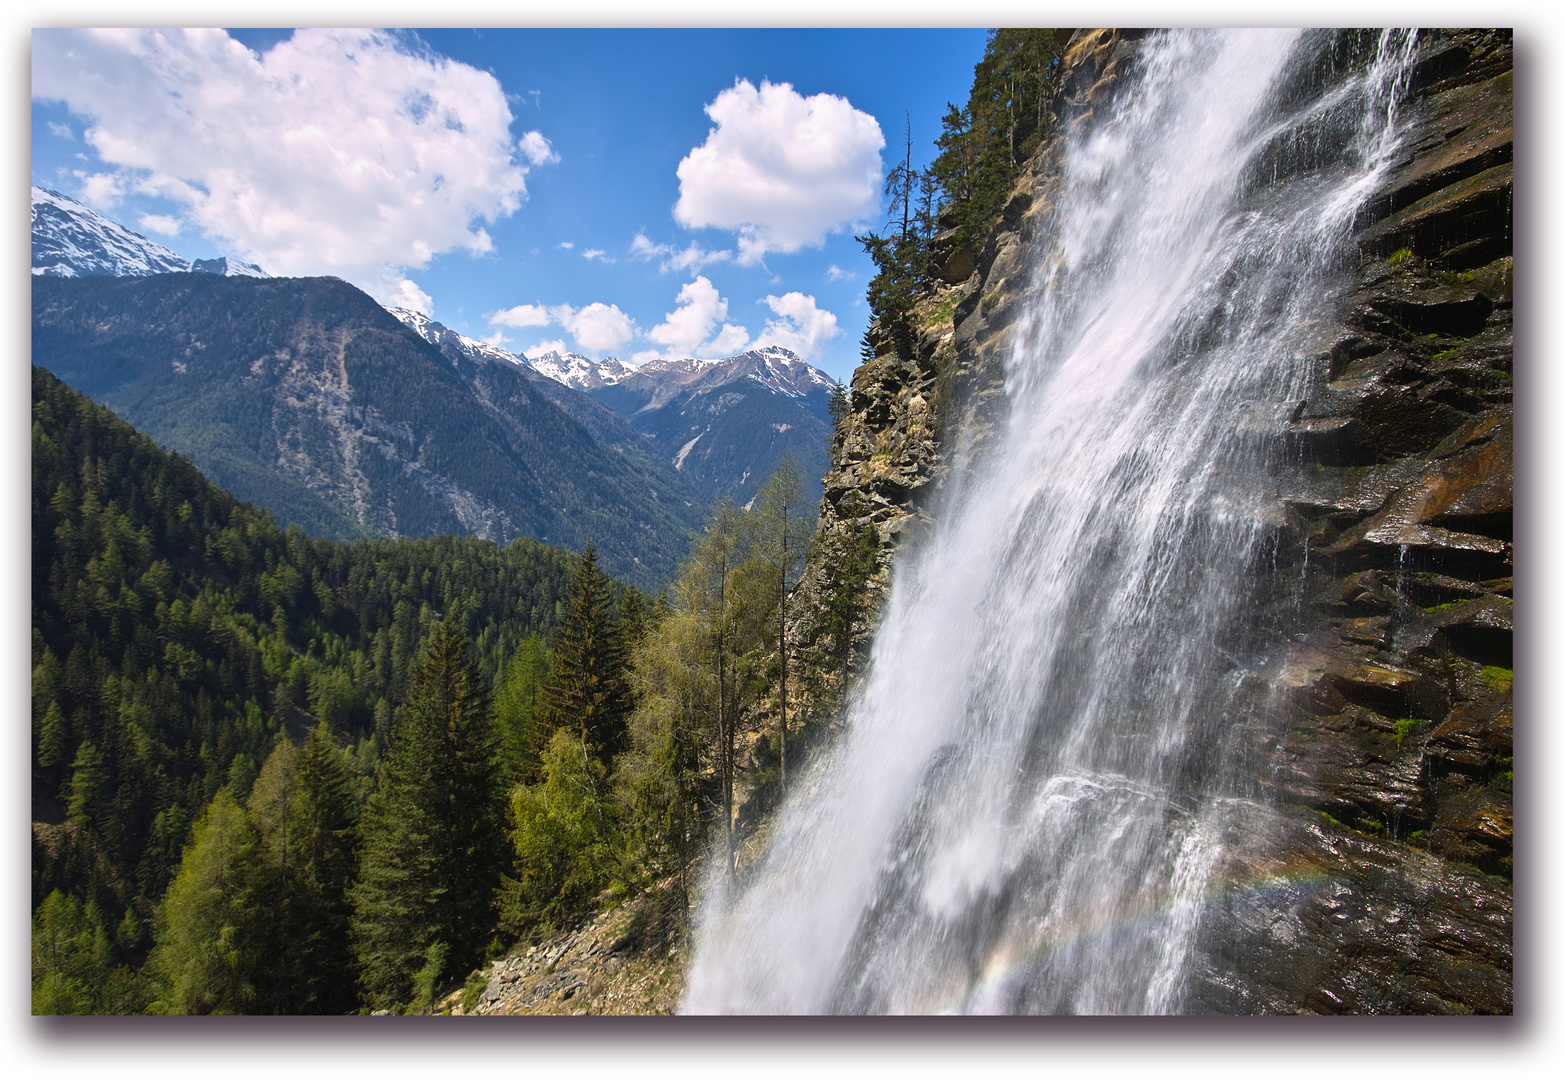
[
  {"x": 71, "y": 239},
  {"x": 438, "y": 334},
  {"x": 575, "y": 370}
]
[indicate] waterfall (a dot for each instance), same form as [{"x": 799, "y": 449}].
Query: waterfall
[{"x": 1024, "y": 808}]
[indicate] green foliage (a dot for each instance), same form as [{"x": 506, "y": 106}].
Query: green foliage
[
  {"x": 587, "y": 691},
  {"x": 77, "y": 962},
  {"x": 1498, "y": 677},
  {"x": 1009, "y": 110},
  {"x": 473, "y": 991},
  {"x": 433, "y": 841},
  {"x": 1400, "y": 257},
  {"x": 848, "y": 569},
  {"x": 206, "y": 954},
  {"x": 565, "y": 838},
  {"x": 516, "y": 708},
  {"x": 1403, "y": 729},
  {"x": 179, "y": 633},
  {"x": 426, "y": 982}
]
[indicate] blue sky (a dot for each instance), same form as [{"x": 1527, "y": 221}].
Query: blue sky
[{"x": 524, "y": 186}]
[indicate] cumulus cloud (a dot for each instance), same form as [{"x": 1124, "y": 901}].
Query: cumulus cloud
[
  {"x": 596, "y": 253},
  {"x": 837, "y": 273},
  {"x": 566, "y": 245},
  {"x": 596, "y": 327},
  {"x": 780, "y": 169},
  {"x": 536, "y": 149},
  {"x": 554, "y": 345},
  {"x": 521, "y": 315},
  {"x": 358, "y": 153},
  {"x": 692, "y": 258},
  {"x": 688, "y": 330},
  {"x": 62, "y": 130},
  {"x": 159, "y": 223},
  {"x": 800, "y": 326}
]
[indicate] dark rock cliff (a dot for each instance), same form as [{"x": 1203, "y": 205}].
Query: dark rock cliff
[{"x": 1373, "y": 873}]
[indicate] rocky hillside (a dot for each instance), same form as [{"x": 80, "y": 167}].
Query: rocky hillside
[
  {"x": 726, "y": 424},
  {"x": 306, "y": 397},
  {"x": 1375, "y": 876}
]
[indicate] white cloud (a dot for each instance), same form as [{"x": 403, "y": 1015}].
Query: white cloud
[
  {"x": 693, "y": 258},
  {"x": 837, "y": 273},
  {"x": 349, "y": 152},
  {"x": 104, "y": 189},
  {"x": 404, "y": 294},
  {"x": 521, "y": 315},
  {"x": 62, "y": 130},
  {"x": 781, "y": 169},
  {"x": 685, "y": 330},
  {"x": 536, "y": 149},
  {"x": 597, "y": 327},
  {"x": 729, "y": 340},
  {"x": 565, "y": 245},
  {"x": 159, "y": 223},
  {"x": 596, "y": 253},
  {"x": 555, "y": 345},
  {"x": 800, "y": 326}
]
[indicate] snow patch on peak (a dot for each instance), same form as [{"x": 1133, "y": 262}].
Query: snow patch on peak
[
  {"x": 438, "y": 334},
  {"x": 73, "y": 240},
  {"x": 576, "y": 370},
  {"x": 227, "y": 267}
]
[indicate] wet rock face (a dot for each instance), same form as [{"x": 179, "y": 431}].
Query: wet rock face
[
  {"x": 1387, "y": 763},
  {"x": 1373, "y": 873}
]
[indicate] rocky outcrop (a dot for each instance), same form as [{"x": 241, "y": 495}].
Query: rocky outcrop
[
  {"x": 628, "y": 961},
  {"x": 1373, "y": 873}
]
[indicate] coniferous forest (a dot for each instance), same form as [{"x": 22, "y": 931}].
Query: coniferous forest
[{"x": 277, "y": 774}]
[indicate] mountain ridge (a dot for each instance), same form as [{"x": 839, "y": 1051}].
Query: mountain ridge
[{"x": 307, "y": 397}]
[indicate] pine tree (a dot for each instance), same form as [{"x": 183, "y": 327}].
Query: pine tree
[
  {"x": 434, "y": 840},
  {"x": 589, "y": 691}
]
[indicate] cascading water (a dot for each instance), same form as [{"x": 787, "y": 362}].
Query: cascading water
[{"x": 1023, "y": 810}]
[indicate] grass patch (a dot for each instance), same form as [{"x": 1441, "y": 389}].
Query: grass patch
[
  {"x": 1497, "y": 677},
  {"x": 474, "y": 989},
  {"x": 1400, "y": 258}
]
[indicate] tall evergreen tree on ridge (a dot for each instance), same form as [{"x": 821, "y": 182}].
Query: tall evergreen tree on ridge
[
  {"x": 590, "y": 687},
  {"x": 433, "y": 836}
]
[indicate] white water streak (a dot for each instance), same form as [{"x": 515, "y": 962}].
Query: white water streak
[{"x": 1018, "y": 815}]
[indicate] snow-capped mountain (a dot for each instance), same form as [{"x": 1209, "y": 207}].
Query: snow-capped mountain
[
  {"x": 725, "y": 424},
  {"x": 576, "y": 370},
  {"x": 227, "y": 267},
  {"x": 73, "y": 240}
]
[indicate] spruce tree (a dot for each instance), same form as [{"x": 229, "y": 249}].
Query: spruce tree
[
  {"x": 589, "y": 692},
  {"x": 324, "y": 816},
  {"x": 433, "y": 835}
]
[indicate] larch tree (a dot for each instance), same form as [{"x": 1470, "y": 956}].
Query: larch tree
[{"x": 784, "y": 534}]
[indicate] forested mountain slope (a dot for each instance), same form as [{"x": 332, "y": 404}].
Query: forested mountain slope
[
  {"x": 179, "y": 634},
  {"x": 308, "y": 398}
]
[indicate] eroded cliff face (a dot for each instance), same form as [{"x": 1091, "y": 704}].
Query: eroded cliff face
[{"x": 1368, "y": 869}]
